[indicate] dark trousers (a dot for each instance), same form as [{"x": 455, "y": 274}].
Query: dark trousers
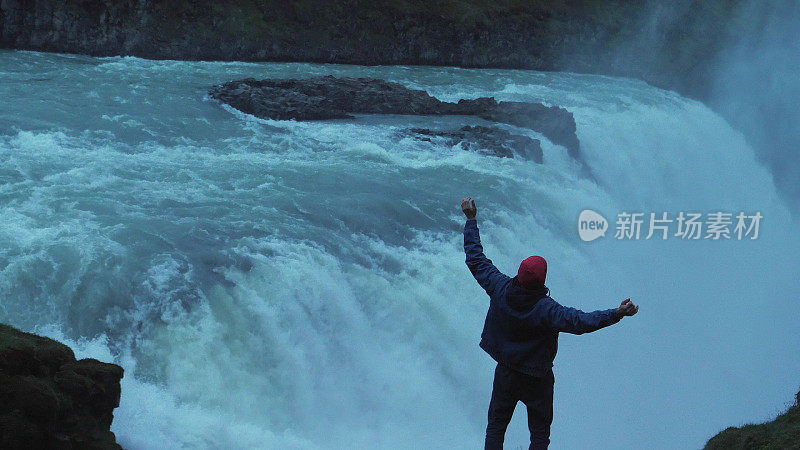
[{"x": 536, "y": 393}]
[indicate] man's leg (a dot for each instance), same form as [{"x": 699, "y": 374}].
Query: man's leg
[
  {"x": 501, "y": 407},
  {"x": 538, "y": 397}
]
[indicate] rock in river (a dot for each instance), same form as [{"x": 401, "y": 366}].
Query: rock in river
[
  {"x": 487, "y": 140},
  {"x": 329, "y": 97}
]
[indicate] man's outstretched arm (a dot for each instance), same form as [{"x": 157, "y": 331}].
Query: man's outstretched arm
[
  {"x": 479, "y": 265},
  {"x": 571, "y": 320}
]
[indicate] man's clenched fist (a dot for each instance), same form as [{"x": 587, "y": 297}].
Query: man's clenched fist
[
  {"x": 468, "y": 206},
  {"x": 627, "y": 308}
]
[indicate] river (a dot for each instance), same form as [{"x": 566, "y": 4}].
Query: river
[{"x": 282, "y": 284}]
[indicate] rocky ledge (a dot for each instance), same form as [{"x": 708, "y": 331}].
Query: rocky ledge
[
  {"x": 485, "y": 140},
  {"x": 49, "y": 400},
  {"x": 329, "y": 97}
]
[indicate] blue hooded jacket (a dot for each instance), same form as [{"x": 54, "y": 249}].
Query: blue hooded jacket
[{"x": 522, "y": 325}]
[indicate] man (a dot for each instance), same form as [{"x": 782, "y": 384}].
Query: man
[{"x": 521, "y": 334}]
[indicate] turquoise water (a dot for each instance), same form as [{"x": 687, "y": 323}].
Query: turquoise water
[{"x": 277, "y": 284}]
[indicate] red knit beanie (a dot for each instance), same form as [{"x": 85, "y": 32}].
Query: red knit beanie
[{"x": 532, "y": 272}]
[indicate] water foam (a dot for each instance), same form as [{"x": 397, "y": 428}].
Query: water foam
[{"x": 277, "y": 284}]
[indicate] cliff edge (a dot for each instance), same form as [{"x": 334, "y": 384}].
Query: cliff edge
[
  {"x": 48, "y": 399},
  {"x": 669, "y": 44},
  {"x": 781, "y": 433}
]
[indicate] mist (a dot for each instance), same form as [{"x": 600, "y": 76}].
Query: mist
[{"x": 756, "y": 86}]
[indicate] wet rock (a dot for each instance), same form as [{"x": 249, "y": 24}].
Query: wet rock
[
  {"x": 486, "y": 140},
  {"x": 325, "y": 97},
  {"x": 329, "y": 97},
  {"x": 48, "y": 399},
  {"x": 556, "y": 123}
]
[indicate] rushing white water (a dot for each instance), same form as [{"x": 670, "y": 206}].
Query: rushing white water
[{"x": 275, "y": 284}]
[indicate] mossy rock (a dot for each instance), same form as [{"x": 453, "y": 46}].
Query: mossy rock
[
  {"x": 49, "y": 400},
  {"x": 781, "y": 433},
  {"x": 22, "y": 352}
]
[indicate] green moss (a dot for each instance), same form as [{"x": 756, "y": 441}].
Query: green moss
[
  {"x": 7, "y": 337},
  {"x": 12, "y": 337},
  {"x": 781, "y": 433},
  {"x": 19, "y": 349}
]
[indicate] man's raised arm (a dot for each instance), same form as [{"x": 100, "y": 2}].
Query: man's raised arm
[
  {"x": 571, "y": 320},
  {"x": 479, "y": 265}
]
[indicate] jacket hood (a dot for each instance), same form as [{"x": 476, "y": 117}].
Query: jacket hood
[{"x": 522, "y": 299}]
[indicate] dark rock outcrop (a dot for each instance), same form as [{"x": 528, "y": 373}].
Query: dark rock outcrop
[
  {"x": 670, "y": 44},
  {"x": 49, "y": 400},
  {"x": 486, "y": 140},
  {"x": 325, "y": 97},
  {"x": 555, "y": 123},
  {"x": 329, "y": 97}
]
